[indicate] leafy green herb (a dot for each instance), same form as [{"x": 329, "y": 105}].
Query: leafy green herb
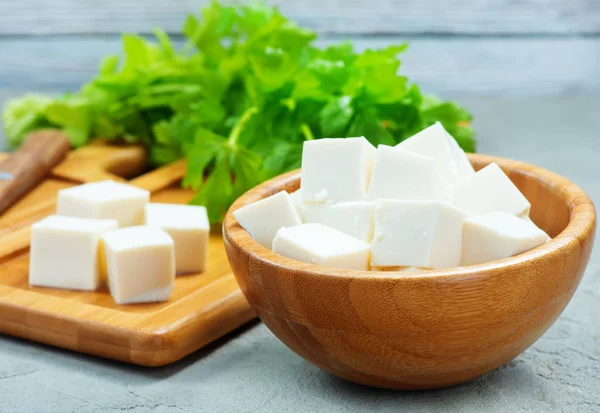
[{"x": 238, "y": 100}]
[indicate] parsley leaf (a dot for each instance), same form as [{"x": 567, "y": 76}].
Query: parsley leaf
[{"x": 238, "y": 100}]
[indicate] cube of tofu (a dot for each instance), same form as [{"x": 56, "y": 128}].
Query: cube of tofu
[
  {"x": 263, "y": 218},
  {"x": 451, "y": 162},
  {"x": 336, "y": 170},
  {"x": 426, "y": 234},
  {"x": 140, "y": 262},
  {"x": 189, "y": 227},
  {"x": 352, "y": 218},
  {"x": 104, "y": 200},
  {"x": 498, "y": 235},
  {"x": 322, "y": 245},
  {"x": 490, "y": 190},
  {"x": 296, "y": 198},
  {"x": 405, "y": 175},
  {"x": 64, "y": 252},
  {"x": 527, "y": 218}
]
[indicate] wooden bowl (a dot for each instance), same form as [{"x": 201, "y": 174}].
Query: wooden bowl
[{"x": 420, "y": 330}]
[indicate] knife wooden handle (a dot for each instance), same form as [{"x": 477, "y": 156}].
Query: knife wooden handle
[{"x": 30, "y": 164}]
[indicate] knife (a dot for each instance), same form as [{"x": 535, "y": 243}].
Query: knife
[{"x": 30, "y": 164}]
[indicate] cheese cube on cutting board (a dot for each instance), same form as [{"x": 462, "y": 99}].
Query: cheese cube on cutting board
[
  {"x": 318, "y": 244},
  {"x": 336, "y": 170},
  {"x": 262, "y": 219},
  {"x": 490, "y": 190},
  {"x": 104, "y": 200},
  {"x": 140, "y": 262},
  {"x": 352, "y": 218},
  {"x": 498, "y": 235},
  {"x": 405, "y": 175},
  {"x": 451, "y": 162},
  {"x": 426, "y": 234},
  {"x": 65, "y": 252},
  {"x": 189, "y": 227}
]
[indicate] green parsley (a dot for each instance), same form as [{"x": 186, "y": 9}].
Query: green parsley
[{"x": 238, "y": 100}]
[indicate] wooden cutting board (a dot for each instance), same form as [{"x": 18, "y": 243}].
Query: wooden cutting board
[{"x": 202, "y": 308}]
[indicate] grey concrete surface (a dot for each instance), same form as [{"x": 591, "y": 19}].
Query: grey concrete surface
[{"x": 251, "y": 371}]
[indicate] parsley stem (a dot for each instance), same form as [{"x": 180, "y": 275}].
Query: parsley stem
[
  {"x": 308, "y": 135},
  {"x": 239, "y": 126}
]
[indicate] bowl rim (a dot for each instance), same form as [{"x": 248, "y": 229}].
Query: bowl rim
[{"x": 582, "y": 221}]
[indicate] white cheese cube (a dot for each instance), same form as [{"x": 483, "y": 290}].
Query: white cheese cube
[
  {"x": 263, "y": 218},
  {"x": 425, "y": 234},
  {"x": 352, "y": 218},
  {"x": 336, "y": 170},
  {"x": 526, "y": 217},
  {"x": 322, "y": 245},
  {"x": 64, "y": 252},
  {"x": 490, "y": 190},
  {"x": 189, "y": 227},
  {"x": 104, "y": 200},
  {"x": 140, "y": 262},
  {"x": 451, "y": 162},
  {"x": 299, "y": 204},
  {"x": 498, "y": 235},
  {"x": 404, "y": 175}
]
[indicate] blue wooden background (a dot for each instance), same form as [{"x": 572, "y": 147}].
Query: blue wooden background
[{"x": 460, "y": 47}]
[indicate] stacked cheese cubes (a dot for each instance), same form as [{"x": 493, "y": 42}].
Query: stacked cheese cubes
[
  {"x": 111, "y": 225},
  {"x": 419, "y": 204}
]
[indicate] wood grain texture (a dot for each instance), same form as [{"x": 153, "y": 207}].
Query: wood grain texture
[
  {"x": 326, "y": 16},
  {"x": 429, "y": 329},
  {"x": 95, "y": 162},
  {"x": 445, "y": 66},
  {"x": 202, "y": 308},
  {"x": 30, "y": 164},
  {"x": 100, "y": 161}
]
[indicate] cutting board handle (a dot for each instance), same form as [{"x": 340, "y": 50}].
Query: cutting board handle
[
  {"x": 100, "y": 160},
  {"x": 30, "y": 164}
]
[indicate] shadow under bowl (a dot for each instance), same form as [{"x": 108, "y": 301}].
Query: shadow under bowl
[{"x": 427, "y": 329}]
